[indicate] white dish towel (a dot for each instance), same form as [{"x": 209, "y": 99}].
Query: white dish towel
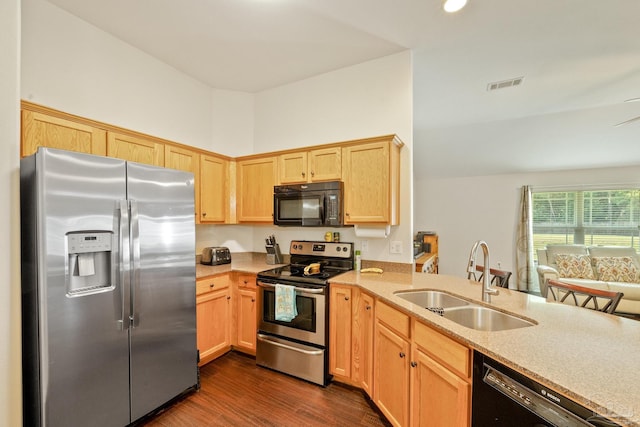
[{"x": 286, "y": 308}]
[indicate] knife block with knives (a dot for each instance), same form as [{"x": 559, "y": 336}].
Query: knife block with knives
[{"x": 274, "y": 256}]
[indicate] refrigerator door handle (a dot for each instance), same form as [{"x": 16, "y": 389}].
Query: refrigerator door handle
[
  {"x": 123, "y": 261},
  {"x": 135, "y": 259}
]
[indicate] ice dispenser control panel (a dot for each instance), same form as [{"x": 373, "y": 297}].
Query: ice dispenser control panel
[
  {"x": 89, "y": 262},
  {"x": 89, "y": 242}
]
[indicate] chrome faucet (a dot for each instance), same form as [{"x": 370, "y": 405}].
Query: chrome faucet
[{"x": 487, "y": 290}]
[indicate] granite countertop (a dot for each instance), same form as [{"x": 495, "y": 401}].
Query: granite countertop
[
  {"x": 591, "y": 357},
  {"x": 252, "y": 263}
]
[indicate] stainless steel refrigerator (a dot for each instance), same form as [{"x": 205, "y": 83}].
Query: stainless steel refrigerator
[{"x": 108, "y": 288}]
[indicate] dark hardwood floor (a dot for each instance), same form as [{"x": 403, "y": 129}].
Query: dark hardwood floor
[{"x": 236, "y": 392}]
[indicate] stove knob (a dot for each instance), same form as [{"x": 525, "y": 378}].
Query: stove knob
[
  {"x": 345, "y": 249},
  {"x": 338, "y": 248},
  {"x": 300, "y": 246},
  {"x": 295, "y": 246}
]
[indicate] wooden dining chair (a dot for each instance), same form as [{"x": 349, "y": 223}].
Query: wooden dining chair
[
  {"x": 584, "y": 297},
  {"x": 499, "y": 278}
]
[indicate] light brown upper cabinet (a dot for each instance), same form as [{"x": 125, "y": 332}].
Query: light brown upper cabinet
[
  {"x": 237, "y": 191},
  {"x": 185, "y": 160},
  {"x": 214, "y": 189},
  {"x": 322, "y": 164},
  {"x": 127, "y": 147},
  {"x": 371, "y": 175},
  {"x": 43, "y": 130},
  {"x": 255, "y": 180}
]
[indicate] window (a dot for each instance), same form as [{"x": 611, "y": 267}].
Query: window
[{"x": 600, "y": 217}]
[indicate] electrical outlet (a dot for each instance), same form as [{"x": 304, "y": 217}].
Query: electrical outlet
[
  {"x": 395, "y": 247},
  {"x": 364, "y": 246}
]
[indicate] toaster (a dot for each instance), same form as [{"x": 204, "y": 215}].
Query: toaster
[{"x": 215, "y": 256}]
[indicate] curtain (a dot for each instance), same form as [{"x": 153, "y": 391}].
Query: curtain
[{"x": 524, "y": 245}]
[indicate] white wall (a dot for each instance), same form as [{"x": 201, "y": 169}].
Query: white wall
[
  {"x": 75, "y": 67},
  {"x": 463, "y": 210},
  {"x": 10, "y": 365},
  {"x": 369, "y": 99}
]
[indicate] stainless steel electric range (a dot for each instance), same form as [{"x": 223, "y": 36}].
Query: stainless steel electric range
[{"x": 300, "y": 347}]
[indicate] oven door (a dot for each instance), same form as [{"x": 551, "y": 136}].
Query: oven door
[{"x": 308, "y": 326}]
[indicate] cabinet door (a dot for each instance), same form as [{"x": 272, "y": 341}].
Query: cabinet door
[
  {"x": 213, "y": 316},
  {"x": 391, "y": 376},
  {"x": 214, "y": 189},
  {"x": 366, "y": 183},
  {"x": 325, "y": 164},
  {"x": 247, "y": 320},
  {"x": 256, "y": 178},
  {"x": 293, "y": 167},
  {"x": 340, "y": 331},
  {"x": 41, "y": 130},
  {"x": 139, "y": 150},
  {"x": 188, "y": 161},
  {"x": 362, "y": 342},
  {"x": 439, "y": 397}
]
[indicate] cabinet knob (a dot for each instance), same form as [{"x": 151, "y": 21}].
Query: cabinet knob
[
  {"x": 313, "y": 173},
  {"x": 228, "y": 297},
  {"x": 368, "y": 307},
  {"x": 211, "y": 285},
  {"x": 347, "y": 214},
  {"x": 413, "y": 364},
  {"x": 402, "y": 355},
  {"x": 204, "y": 214},
  {"x": 253, "y": 300},
  {"x": 346, "y": 298},
  {"x": 303, "y": 174}
]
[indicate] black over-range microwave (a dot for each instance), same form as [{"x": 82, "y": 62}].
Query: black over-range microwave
[{"x": 316, "y": 204}]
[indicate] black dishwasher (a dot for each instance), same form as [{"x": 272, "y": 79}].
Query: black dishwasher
[{"x": 503, "y": 397}]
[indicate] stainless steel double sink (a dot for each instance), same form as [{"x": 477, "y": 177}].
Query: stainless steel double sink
[{"x": 464, "y": 312}]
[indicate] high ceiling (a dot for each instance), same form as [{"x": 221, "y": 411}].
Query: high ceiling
[{"x": 580, "y": 60}]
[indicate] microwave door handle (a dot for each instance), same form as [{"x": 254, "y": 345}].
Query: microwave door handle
[{"x": 323, "y": 209}]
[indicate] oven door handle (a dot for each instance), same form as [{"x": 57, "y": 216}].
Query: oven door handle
[
  {"x": 305, "y": 290},
  {"x": 265, "y": 338}
]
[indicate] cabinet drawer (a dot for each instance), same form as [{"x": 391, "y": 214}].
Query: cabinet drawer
[
  {"x": 209, "y": 284},
  {"x": 246, "y": 281},
  {"x": 446, "y": 350},
  {"x": 393, "y": 318}
]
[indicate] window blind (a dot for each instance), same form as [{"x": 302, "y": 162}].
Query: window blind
[{"x": 593, "y": 217}]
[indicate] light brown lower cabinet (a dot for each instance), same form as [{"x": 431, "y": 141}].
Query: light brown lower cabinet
[
  {"x": 213, "y": 317},
  {"x": 340, "y": 331},
  {"x": 362, "y": 336},
  {"x": 246, "y": 314},
  {"x": 392, "y": 351},
  {"x": 438, "y": 396},
  {"x": 226, "y": 315},
  {"x": 415, "y": 375},
  {"x": 351, "y": 336}
]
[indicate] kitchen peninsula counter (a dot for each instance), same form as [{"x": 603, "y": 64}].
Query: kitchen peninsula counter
[{"x": 591, "y": 357}]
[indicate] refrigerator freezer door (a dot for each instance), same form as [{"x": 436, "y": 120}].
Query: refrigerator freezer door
[
  {"x": 75, "y": 350},
  {"x": 163, "y": 336}
]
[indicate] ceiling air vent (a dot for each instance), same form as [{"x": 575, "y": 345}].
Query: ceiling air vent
[{"x": 505, "y": 84}]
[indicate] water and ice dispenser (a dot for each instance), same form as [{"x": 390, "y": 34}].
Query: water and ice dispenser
[{"x": 89, "y": 262}]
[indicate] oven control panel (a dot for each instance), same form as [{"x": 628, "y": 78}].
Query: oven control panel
[{"x": 323, "y": 249}]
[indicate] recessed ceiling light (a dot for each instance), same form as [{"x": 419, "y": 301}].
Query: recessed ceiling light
[{"x": 454, "y": 5}]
